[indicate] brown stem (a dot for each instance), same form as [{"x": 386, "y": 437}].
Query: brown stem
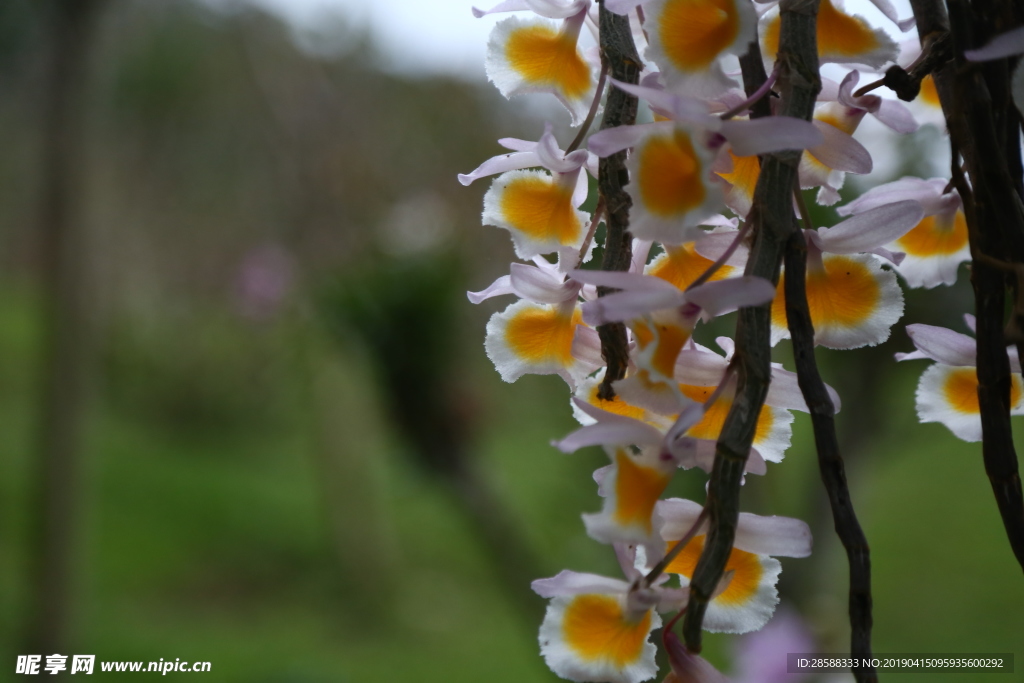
[
  {"x": 754, "y": 76},
  {"x": 773, "y": 222},
  {"x": 578, "y": 140},
  {"x": 830, "y": 461},
  {"x": 620, "y": 58},
  {"x": 983, "y": 128}
]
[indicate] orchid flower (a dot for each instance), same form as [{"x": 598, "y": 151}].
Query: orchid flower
[
  {"x": 534, "y": 55},
  {"x": 596, "y": 628},
  {"x": 536, "y": 334},
  {"x": 630, "y": 486},
  {"x": 662, "y": 317},
  {"x": 688, "y": 38},
  {"x": 671, "y": 179},
  {"x": 842, "y": 38},
  {"x": 948, "y": 390},
  {"x": 852, "y": 300},
  {"x": 746, "y": 597},
  {"x": 681, "y": 265},
  {"x": 837, "y": 118},
  {"x": 699, "y": 371},
  {"x": 538, "y": 209},
  {"x": 616, "y": 422},
  {"x": 937, "y": 245}
]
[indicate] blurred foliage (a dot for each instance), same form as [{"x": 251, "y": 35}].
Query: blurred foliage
[{"x": 405, "y": 314}]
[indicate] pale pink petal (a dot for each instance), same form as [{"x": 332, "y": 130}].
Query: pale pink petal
[
  {"x": 532, "y": 283},
  {"x": 659, "y": 98},
  {"x": 626, "y": 555},
  {"x": 775, "y": 536},
  {"x": 554, "y": 159},
  {"x": 641, "y": 250},
  {"x": 623, "y": 306},
  {"x": 503, "y": 285},
  {"x": 623, "y": 280},
  {"x": 727, "y": 345},
  {"x": 907, "y": 24},
  {"x": 829, "y": 90},
  {"x": 724, "y": 296},
  {"x": 506, "y": 6},
  {"x": 581, "y": 192},
  {"x": 887, "y": 9},
  {"x": 500, "y": 164},
  {"x": 517, "y": 144},
  {"x": 893, "y": 257},
  {"x": 770, "y": 134},
  {"x": 871, "y": 229},
  {"x": 927, "y": 192},
  {"x": 610, "y": 429},
  {"x": 568, "y": 582},
  {"x": 556, "y": 9},
  {"x": 713, "y": 245},
  {"x": 674, "y": 106},
  {"x": 611, "y": 140},
  {"x": 840, "y": 151},
  {"x": 1004, "y": 45},
  {"x": 943, "y": 345},
  {"x": 784, "y": 392},
  {"x": 586, "y": 346},
  {"x": 700, "y": 368},
  {"x": 633, "y": 432},
  {"x": 896, "y": 116}
]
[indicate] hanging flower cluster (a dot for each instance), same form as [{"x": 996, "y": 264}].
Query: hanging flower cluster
[{"x": 692, "y": 171}]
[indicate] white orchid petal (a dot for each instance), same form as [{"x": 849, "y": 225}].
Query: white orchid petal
[
  {"x": 724, "y": 296},
  {"x": 503, "y": 285},
  {"x": 501, "y": 164},
  {"x": 943, "y": 345},
  {"x": 840, "y": 152},
  {"x": 871, "y": 229},
  {"x": 770, "y": 134},
  {"x": 1004, "y": 45},
  {"x": 568, "y": 582}
]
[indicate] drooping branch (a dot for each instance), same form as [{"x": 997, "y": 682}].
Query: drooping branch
[
  {"x": 619, "y": 57},
  {"x": 772, "y": 220},
  {"x": 830, "y": 461},
  {"x": 983, "y": 126}
]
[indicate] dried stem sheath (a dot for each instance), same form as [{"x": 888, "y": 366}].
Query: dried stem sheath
[
  {"x": 773, "y": 222},
  {"x": 619, "y": 57},
  {"x": 830, "y": 461}
]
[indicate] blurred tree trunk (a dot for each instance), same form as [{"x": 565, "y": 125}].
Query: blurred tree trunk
[{"x": 64, "y": 329}]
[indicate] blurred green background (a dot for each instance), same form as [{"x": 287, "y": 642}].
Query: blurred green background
[{"x": 293, "y": 458}]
